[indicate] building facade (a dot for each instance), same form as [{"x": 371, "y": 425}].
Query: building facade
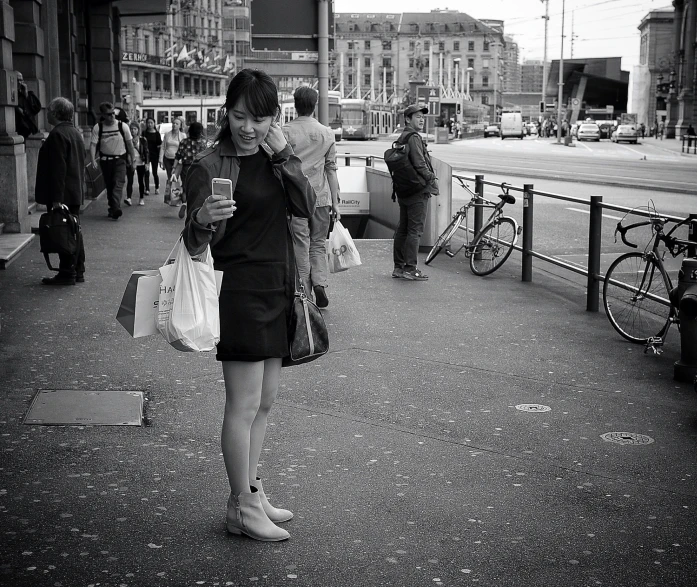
[
  {"x": 531, "y": 76},
  {"x": 512, "y": 81},
  {"x": 385, "y": 56}
]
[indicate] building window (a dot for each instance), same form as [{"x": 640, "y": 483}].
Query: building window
[
  {"x": 411, "y": 62},
  {"x": 485, "y": 81},
  {"x": 427, "y": 45},
  {"x": 441, "y": 46},
  {"x": 388, "y": 79},
  {"x": 349, "y": 79},
  {"x": 470, "y": 63},
  {"x": 350, "y": 45},
  {"x": 485, "y": 63},
  {"x": 471, "y": 86},
  {"x": 456, "y": 45},
  {"x": 411, "y": 45},
  {"x": 366, "y": 79},
  {"x": 367, "y": 44},
  {"x": 146, "y": 80},
  {"x": 158, "y": 82},
  {"x": 486, "y": 45},
  {"x": 366, "y": 61},
  {"x": 470, "y": 45},
  {"x": 387, "y": 45},
  {"x": 387, "y": 61},
  {"x": 485, "y": 99},
  {"x": 350, "y": 62}
]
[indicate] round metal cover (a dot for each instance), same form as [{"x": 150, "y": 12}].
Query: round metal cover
[
  {"x": 532, "y": 408},
  {"x": 626, "y": 438}
]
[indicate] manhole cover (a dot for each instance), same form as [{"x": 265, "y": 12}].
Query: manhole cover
[
  {"x": 626, "y": 438},
  {"x": 532, "y": 408},
  {"x": 86, "y": 408}
]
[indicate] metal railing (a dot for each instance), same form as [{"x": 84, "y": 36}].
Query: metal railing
[
  {"x": 691, "y": 141},
  {"x": 596, "y": 207}
]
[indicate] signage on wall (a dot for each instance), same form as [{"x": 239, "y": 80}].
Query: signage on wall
[{"x": 134, "y": 57}]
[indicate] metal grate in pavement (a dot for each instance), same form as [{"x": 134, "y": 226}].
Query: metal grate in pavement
[
  {"x": 86, "y": 408},
  {"x": 626, "y": 438},
  {"x": 532, "y": 408}
]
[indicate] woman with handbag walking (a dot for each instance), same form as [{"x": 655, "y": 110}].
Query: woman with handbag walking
[{"x": 250, "y": 242}]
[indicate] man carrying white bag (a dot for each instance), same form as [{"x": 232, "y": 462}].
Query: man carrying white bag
[
  {"x": 342, "y": 254},
  {"x": 180, "y": 301}
]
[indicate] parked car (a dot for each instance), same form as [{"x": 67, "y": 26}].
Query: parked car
[
  {"x": 588, "y": 131},
  {"x": 625, "y": 132},
  {"x": 606, "y": 127},
  {"x": 398, "y": 133},
  {"x": 531, "y": 128},
  {"x": 492, "y": 131}
]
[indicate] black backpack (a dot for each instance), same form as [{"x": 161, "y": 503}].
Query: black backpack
[
  {"x": 58, "y": 233},
  {"x": 406, "y": 181}
]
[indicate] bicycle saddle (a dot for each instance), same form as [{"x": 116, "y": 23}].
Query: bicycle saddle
[{"x": 508, "y": 198}]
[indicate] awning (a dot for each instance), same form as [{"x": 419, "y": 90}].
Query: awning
[{"x": 139, "y": 11}]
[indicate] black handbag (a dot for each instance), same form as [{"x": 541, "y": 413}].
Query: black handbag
[
  {"x": 58, "y": 233},
  {"x": 308, "y": 338}
]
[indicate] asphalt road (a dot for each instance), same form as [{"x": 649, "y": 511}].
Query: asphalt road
[{"x": 647, "y": 165}]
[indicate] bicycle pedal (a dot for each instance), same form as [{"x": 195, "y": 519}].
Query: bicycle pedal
[{"x": 449, "y": 253}]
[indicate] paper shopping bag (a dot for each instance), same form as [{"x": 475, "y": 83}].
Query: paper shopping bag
[
  {"x": 138, "y": 310},
  {"x": 341, "y": 251}
]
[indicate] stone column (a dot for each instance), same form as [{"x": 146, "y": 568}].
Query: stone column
[
  {"x": 672, "y": 102},
  {"x": 28, "y": 54},
  {"x": 686, "y": 97},
  {"x": 49, "y": 23},
  {"x": 13, "y": 162}
]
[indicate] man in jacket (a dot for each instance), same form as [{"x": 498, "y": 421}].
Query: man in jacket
[
  {"x": 412, "y": 207},
  {"x": 60, "y": 179},
  {"x": 314, "y": 144}
]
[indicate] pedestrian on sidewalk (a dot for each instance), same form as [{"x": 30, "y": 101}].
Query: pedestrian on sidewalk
[
  {"x": 413, "y": 206},
  {"x": 314, "y": 144},
  {"x": 154, "y": 143},
  {"x": 111, "y": 148},
  {"x": 140, "y": 165},
  {"x": 189, "y": 147},
  {"x": 60, "y": 182},
  {"x": 170, "y": 144},
  {"x": 250, "y": 242}
]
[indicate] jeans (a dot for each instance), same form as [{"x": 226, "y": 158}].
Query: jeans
[
  {"x": 114, "y": 172},
  {"x": 143, "y": 179},
  {"x": 71, "y": 266},
  {"x": 412, "y": 216},
  {"x": 310, "y": 247}
]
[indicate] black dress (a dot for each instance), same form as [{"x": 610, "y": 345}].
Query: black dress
[{"x": 253, "y": 254}]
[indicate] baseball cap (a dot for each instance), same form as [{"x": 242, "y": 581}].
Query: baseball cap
[{"x": 415, "y": 108}]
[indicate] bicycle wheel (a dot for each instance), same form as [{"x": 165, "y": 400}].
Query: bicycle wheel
[
  {"x": 493, "y": 246},
  {"x": 630, "y": 283},
  {"x": 445, "y": 237}
]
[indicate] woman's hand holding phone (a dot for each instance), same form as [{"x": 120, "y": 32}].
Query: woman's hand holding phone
[
  {"x": 216, "y": 207},
  {"x": 275, "y": 138}
]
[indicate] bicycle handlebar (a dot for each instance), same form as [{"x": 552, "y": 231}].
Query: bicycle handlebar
[{"x": 623, "y": 231}]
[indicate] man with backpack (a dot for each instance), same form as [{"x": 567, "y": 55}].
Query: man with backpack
[
  {"x": 413, "y": 182},
  {"x": 111, "y": 148}
]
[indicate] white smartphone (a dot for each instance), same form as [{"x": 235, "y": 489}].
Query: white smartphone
[{"x": 222, "y": 187}]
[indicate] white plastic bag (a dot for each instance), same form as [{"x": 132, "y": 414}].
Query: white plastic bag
[
  {"x": 341, "y": 252},
  {"x": 188, "y": 316}
]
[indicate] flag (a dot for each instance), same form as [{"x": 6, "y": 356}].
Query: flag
[
  {"x": 228, "y": 64},
  {"x": 183, "y": 54},
  {"x": 172, "y": 49}
]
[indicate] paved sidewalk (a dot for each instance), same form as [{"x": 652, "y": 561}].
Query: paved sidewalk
[{"x": 402, "y": 453}]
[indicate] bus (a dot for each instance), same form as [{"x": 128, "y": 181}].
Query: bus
[
  {"x": 288, "y": 112},
  {"x": 364, "y": 120},
  {"x": 205, "y": 109}
]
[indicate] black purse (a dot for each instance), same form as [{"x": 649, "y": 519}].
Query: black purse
[
  {"x": 58, "y": 233},
  {"x": 308, "y": 338}
]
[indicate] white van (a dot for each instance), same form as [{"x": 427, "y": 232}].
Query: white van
[{"x": 512, "y": 125}]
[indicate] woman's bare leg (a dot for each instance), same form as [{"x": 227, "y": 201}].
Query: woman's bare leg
[{"x": 269, "y": 390}]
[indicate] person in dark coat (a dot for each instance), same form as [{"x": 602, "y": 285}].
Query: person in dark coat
[
  {"x": 60, "y": 180},
  {"x": 250, "y": 242},
  {"x": 28, "y": 106}
]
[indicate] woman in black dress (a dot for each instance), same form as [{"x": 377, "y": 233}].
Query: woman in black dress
[
  {"x": 152, "y": 135},
  {"x": 250, "y": 243}
]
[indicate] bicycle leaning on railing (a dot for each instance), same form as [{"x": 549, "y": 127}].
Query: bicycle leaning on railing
[
  {"x": 638, "y": 294},
  {"x": 491, "y": 245}
]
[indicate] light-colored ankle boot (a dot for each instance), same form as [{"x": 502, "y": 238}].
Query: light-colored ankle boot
[
  {"x": 245, "y": 515},
  {"x": 276, "y": 515}
]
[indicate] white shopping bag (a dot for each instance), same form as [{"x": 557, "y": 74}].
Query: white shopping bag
[
  {"x": 138, "y": 310},
  {"x": 188, "y": 316},
  {"x": 341, "y": 252}
]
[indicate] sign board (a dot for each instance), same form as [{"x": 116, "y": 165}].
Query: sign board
[
  {"x": 429, "y": 96},
  {"x": 287, "y": 26},
  {"x": 628, "y": 118}
]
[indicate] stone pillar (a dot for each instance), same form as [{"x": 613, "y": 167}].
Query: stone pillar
[
  {"x": 686, "y": 97},
  {"x": 13, "y": 163},
  {"x": 105, "y": 86},
  {"x": 672, "y": 102},
  {"x": 49, "y": 23},
  {"x": 28, "y": 54}
]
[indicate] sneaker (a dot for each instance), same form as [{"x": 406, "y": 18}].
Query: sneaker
[
  {"x": 141, "y": 202},
  {"x": 321, "y": 298},
  {"x": 182, "y": 211},
  {"x": 415, "y": 275},
  {"x": 58, "y": 280},
  {"x": 157, "y": 191},
  {"x": 115, "y": 214},
  {"x": 128, "y": 202},
  {"x": 398, "y": 273},
  {"x": 147, "y": 192}
]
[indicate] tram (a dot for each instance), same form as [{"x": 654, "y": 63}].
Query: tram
[
  {"x": 364, "y": 120},
  {"x": 288, "y": 112},
  {"x": 204, "y": 109}
]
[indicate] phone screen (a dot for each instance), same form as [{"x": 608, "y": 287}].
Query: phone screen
[{"x": 222, "y": 187}]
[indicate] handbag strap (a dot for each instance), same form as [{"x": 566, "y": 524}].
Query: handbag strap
[{"x": 298, "y": 281}]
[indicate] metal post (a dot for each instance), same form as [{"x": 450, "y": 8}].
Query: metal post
[
  {"x": 527, "y": 231},
  {"x": 478, "y": 210},
  {"x": 368, "y": 161},
  {"x": 544, "y": 61},
  {"x": 595, "y": 227},
  {"x": 348, "y": 161},
  {"x": 561, "y": 80},
  {"x": 323, "y": 61},
  {"x": 692, "y": 249}
]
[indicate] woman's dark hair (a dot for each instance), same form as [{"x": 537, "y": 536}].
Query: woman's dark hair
[
  {"x": 195, "y": 130},
  {"x": 305, "y": 99},
  {"x": 259, "y": 93},
  {"x": 154, "y": 124}
]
